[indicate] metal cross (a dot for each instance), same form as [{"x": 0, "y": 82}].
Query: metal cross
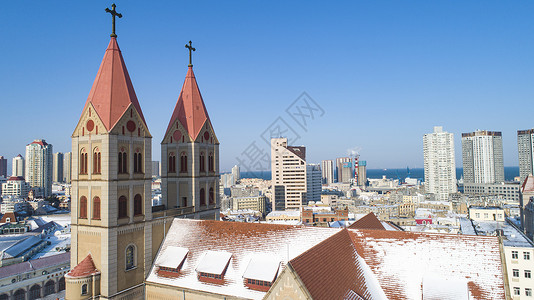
[
  {"x": 190, "y": 54},
  {"x": 113, "y": 13}
]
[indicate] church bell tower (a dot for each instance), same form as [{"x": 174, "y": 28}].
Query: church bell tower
[{"x": 111, "y": 212}]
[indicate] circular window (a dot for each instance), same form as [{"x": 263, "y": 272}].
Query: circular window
[
  {"x": 206, "y": 135},
  {"x": 177, "y": 135},
  {"x": 130, "y": 126},
  {"x": 90, "y": 125}
]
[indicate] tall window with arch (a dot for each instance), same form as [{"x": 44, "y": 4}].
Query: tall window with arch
[
  {"x": 202, "y": 162},
  {"x": 123, "y": 161},
  {"x": 211, "y": 162},
  {"x": 83, "y": 207},
  {"x": 123, "y": 207},
  {"x": 172, "y": 163},
  {"x": 130, "y": 257},
  {"x": 97, "y": 161},
  {"x": 211, "y": 196},
  {"x": 202, "y": 197},
  {"x": 138, "y": 161},
  {"x": 83, "y": 161},
  {"x": 183, "y": 162},
  {"x": 96, "y": 208},
  {"x": 84, "y": 289},
  {"x": 138, "y": 205}
]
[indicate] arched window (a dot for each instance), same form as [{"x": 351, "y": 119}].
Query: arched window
[
  {"x": 123, "y": 161},
  {"x": 84, "y": 289},
  {"x": 202, "y": 162},
  {"x": 83, "y": 161},
  {"x": 211, "y": 163},
  {"x": 123, "y": 207},
  {"x": 61, "y": 284},
  {"x": 172, "y": 163},
  {"x": 96, "y": 208},
  {"x": 183, "y": 163},
  {"x": 130, "y": 257},
  {"x": 202, "y": 197},
  {"x": 83, "y": 207},
  {"x": 35, "y": 292},
  {"x": 138, "y": 205},
  {"x": 50, "y": 287},
  {"x": 139, "y": 163},
  {"x": 20, "y": 294},
  {"x": 211, "y": 196},
  {"x": 96, "y": 161}
]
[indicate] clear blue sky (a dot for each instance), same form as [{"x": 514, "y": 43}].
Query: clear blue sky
[{"x": 384, "y": 72}]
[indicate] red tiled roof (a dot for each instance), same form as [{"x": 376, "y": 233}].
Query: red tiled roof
[
  {"x": 34, "y": 265},
  {"x": 190, "y": 109},
  {"x": 369, "y": 221},
  {"x": 16, "y": 178},
  {"x": 12, "y": 217},
  {"x": 39, "y": 142},
  {"x": 112, "y": 92},
  {"x": 331, "y": 269},
  {"x": 85, "y": 268},
  {"x": 528, "y": 184}
]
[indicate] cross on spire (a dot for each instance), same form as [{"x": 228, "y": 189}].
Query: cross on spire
[
  {"x": 190, "y": 53},
  {"x": 113, "y": 13}
]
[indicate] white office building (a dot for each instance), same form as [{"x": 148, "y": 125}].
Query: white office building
[
  {"x": 39, "y": 167},
  {"x": 327, "y": 170},
  {"x": 482, "y": 157},
  {"x": 18, "y": 166},
  {"x": 439, "y": 163},
  {"x": 67, "y": 166},
  {"x": 236, "y": 172},
  {"x": 15, "y": 186}
]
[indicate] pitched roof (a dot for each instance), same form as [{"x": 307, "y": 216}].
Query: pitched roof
[
  {"x": 528, "y": 185},
  {"x": 85, "y": 268},
  {"x": 12, "y": 217},
  {"x": 190, "y": 109},
  {"x": 402, "y": 261},
  {"x": 112, "y": 92},
  {"x": 332, "y": 269},
  {"x": 369, "y": 221},
  {"x": 36, "y": 264}
]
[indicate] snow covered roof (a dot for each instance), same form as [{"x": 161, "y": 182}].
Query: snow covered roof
[
  {"x": 34, "y": 265},
  {"x": 262, "y": 267},
  {"x": 214, "y": 262},
  {"x": 243, "y": 241},
  {"x": 172, "y": 257}
]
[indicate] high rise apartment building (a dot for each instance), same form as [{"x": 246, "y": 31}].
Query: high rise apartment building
[
  {"x": 67, "y": 166},
  {"x": 439, "y": 163},
  {"x": 344, "y": 169},
  {"x": 236, "y": 172},
  {"x": 3, "y": 166},
  {"x": 525, "y": 147},
  {"x": 482, "y": 157},
  {"x": 362, "y": 173},
  {"x": 39, "y": 167},
  {"x": 288, "y": 170},
  {"x": 18, "y": 166},
  {"x": 327, "y": 170},
  {"x": 57, "y": 173},
  {"x": 313, "y": 182}
]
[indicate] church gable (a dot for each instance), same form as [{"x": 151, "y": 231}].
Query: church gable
[
  {"x": 176, "y": 133},
  {"x": 131, "y": 124},
  {"x": 207, "y": 134},
  {"x": 89, "y": 123}
]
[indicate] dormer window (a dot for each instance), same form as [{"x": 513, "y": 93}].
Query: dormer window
[
  {"x": 261, "y": 272},
  {"x": 171, "y": 261},
  {"x": 213, "y": 266}
]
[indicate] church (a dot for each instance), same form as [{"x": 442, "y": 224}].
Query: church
[{"x": 124, "y": 248}]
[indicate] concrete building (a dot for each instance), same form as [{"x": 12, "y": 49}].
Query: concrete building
[
  {"x": 327, "y": 172},
  {"x": 57, "y": 174},
  {"x": 525, "y": 149},
  {"x": 256, "y": 203},
  {"x": 362, "y": 173},
  {"x": 18, "y": 166},
  {"x": 486, "y": 213},
  {"x": 508, "y": 191},
  {"x": 156, "y": 171},
  {"x": 39, "y": 167},
  {"x": 16, "y": 186},
  {"x": 344, "y": 169},
  {"x": 236, "y": 172},
  {"x": 313, "y": 182},
  {"x": 482, "y": 157},
  {"x": 288, "y": 173},
  {"x": 67, "y": 167},
  {"x": 439, "y": 163},
  {"x": 3, "y": 166}
]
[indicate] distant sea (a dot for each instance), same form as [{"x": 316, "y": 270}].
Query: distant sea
[{"x": 509, "y": 173}]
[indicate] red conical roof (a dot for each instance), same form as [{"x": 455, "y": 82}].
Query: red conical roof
[
  {"x": 112, "y": 91},
  {"x": 85, "y": 268},
  {"x": 190, "y": 108}
]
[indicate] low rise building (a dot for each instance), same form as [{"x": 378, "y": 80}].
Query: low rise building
[
  {"x": 487, "y": 213},
  {"x": 16, "y": 186},
  {"x": 321, "y": 218},
  {"x": 256, "y": 203},
  {"x": 508, "y": 191},
  {"x": 283, "y": 216}
]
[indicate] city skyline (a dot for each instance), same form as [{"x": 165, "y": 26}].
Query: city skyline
[{"x": 390, "y": 60}]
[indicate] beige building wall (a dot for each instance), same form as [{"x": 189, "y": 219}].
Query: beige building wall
[{"x": 288, "y": 171}]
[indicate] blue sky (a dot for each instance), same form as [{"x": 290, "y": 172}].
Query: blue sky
[{"x": 384, "y": 72}]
